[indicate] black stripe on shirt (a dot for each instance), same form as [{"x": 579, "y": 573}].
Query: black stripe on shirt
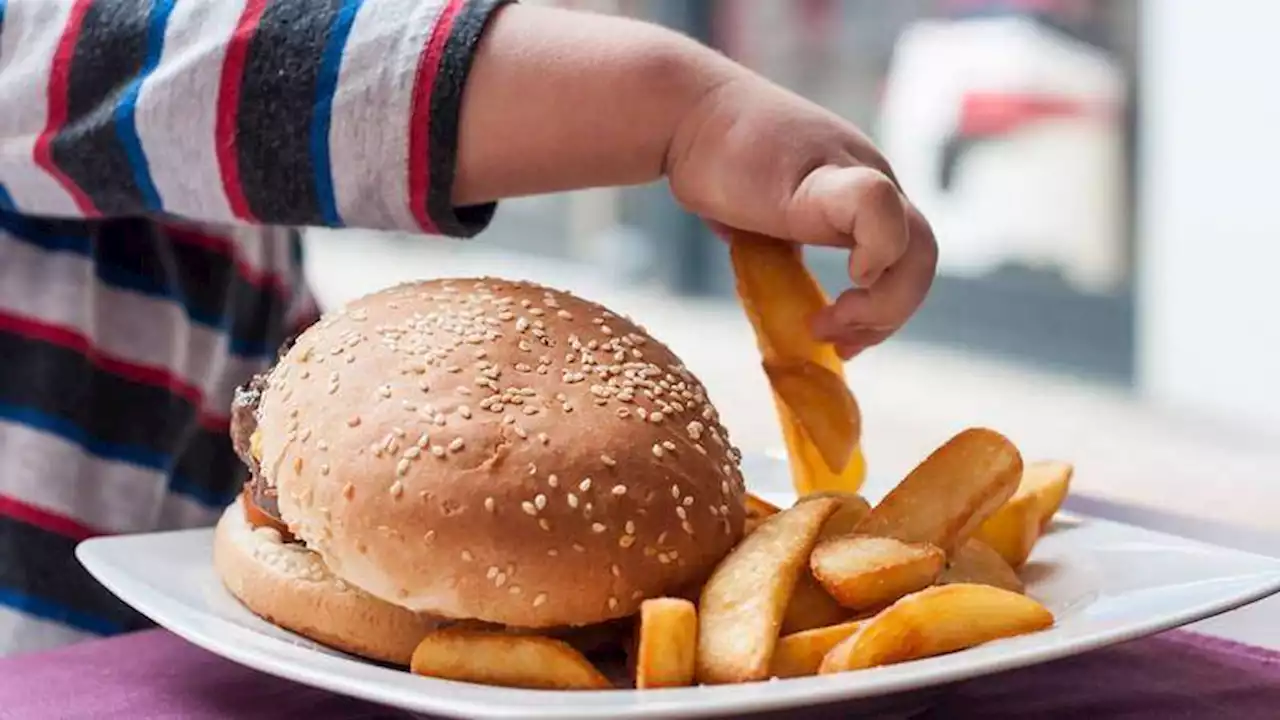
[
  {"x": 49, "y": 582},
  {"x": 88, "y": 147},
  {"x": 446, "y": 109},
  {"x": 209, "y": 470},
  {"x": 277, "y": 102}
]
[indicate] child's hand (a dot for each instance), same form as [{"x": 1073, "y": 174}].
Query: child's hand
[{"x": 755, "y": 157}]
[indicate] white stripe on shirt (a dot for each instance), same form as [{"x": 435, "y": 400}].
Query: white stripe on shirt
[
  {"x": 20, "y": 632},
  {"x": 25, "y": 66},
  {"x": 377, "y": 76},
  {"x": 188, "y": 179}
]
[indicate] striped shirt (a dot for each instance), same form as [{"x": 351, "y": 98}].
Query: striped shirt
[{"x": 152, "y": 155}]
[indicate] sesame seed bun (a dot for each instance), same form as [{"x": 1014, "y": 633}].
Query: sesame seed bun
[
  {"x": 288, "y": 585},
  {"x": 499, "y": 451}
]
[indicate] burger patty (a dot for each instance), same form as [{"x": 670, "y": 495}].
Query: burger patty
[{"x": 261, "y": 506}]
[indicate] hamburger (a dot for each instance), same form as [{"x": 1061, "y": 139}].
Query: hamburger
[{"x": 479, "y": 452}]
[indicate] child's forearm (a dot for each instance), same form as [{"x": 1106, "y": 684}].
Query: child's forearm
[{"x": 560, "y": 100}]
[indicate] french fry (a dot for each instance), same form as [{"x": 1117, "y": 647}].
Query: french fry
[
  {"x": 823, "y": 405},
  {"x": 758, "y": 510},
  {"x": 811, "y": 607},
  {"x": 1012, "y": 531},
  {"x": 1048, "y": 481},
  {"x": 800, "y": 654},
  {"x": 744, "y": 599},
  {"x": 946, "y": 498},
  {"x": 779, "y": 296},
  {"x": 853, "y": 508},
  {"x": 936, "y": 621},
  {"x": 521, "y": 661},
  {"x": 976, "y": 563},
  {"x": 668, "y": 643},
  {"x": 864, "y": 572}
]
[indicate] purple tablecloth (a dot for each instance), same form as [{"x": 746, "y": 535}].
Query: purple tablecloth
[{"x": 153, "y": 675}]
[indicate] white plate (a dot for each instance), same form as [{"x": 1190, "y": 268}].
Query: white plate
[{"x": 1105, "y": 582}]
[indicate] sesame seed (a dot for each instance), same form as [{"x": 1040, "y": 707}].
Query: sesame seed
[
  {"x": 682, "y": 513},
  {"x": 553, "y": 552},
  {"x": 500, "y": 579},
  {"x": 467, "y": 556},
  {"x": 348, "y": 491},
  {"x": 528, "y": 508},
  {"x": 724, "y": 487},
  {"x": 553, "y": 481},
  {"x": 489, "y": 504},
  {"x": 297, "y": 464},
  {"x": 413, "y": 452},
  {"x": 491, "y": 573},
  {"x": 579, "y": 548},
  {"x": 573, "y": 500},
  {"x": 464, "y": 411},
  {"x": 545, "y": 524},
  {"x": 385, "y": 391},
  {"x": 630, "y": 527},
  {"x": 626, "y": 541},
  {"x": 613, "y": 603},
  {"x": 619, "y": 490},
  {"x": 655, "y": 417},
  {"x": 686, "y": 527},
  {"x": 540, "y": 501},
  {"x": 544, "y": 438},
  {"x": 457, "y": 444},
  {"x": 324, "y": 468},
  {"x": 402, "y": 467},
  {"x": 675, "y": 491},
  {"x": 662, "y": 538},
  {"x": 597, "y": 528},
  {"x": 353, "y": 421},
  {"x": 615, "y": 570},
  {"x": 437, "y": 450},
  {"x": 664, "y": 559},
  {"x": 540, "y": 599},
  {"x": 585, "y": 485},
  {"x": 397, "y": 489},
  {"x": 533, "y": 469},
  {"x": 608, "y": 461},
  {"x": 531, "y": 410},
  {"x": 658, "y": 451}
]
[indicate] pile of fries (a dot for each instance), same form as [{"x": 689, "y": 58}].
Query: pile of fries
[{"x": 831, "y": 584}]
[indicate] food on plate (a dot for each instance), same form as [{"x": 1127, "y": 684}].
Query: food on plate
[
  {"x": 822, "y": 403},
  {"x": 779, "y": 297},
  {"x": 667, "y": 644},
  {"x": 800, "y": 654},
  {"x": 1048, "y": 481},
  {"x": 522, "y": 661},
  {"x": 811, "y": 607},
  {"x": 946, "y": 498},
  {"x": 1012, "y": 530},
  {"x": 479, "y": 454},
  {"x": 976, "y": 563},
  {"x": 863, "y": 572},
  {"x": 936, "y": 621},
  {"x": 744, "y": 600}
]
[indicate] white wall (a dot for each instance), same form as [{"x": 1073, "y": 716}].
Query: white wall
[{"x": 1209, "y": 297}]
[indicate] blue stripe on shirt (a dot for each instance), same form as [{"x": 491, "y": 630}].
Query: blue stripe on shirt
[
  {"x": 126, "y": 111},
  {"x": 73, "y": 433},
  {"x": 49, "y": 610},
  {"x": 322, "y": 118}
]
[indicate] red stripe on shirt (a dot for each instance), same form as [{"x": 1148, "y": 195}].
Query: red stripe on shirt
[
  {"x": 144, "y": 374},
  {"x": 420, "y": 116},
  {"x": 59, "y": 84},
  {"x": 263, "y": 279},
  {"x": 47, "y": 520},
  {"x": 229, "y": 107}
]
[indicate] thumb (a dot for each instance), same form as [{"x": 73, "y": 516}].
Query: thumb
[{"x": 858, "y": 208}]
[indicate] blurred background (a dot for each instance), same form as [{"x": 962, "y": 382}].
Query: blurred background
[{"x": 1099, "y": 174}]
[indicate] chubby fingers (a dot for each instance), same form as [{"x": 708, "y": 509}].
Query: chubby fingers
[
  {"x": 865, "y": 316},
  {"x": 856, "y": 207}
]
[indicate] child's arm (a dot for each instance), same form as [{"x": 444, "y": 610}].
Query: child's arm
[{"x": 414, "y": 114}]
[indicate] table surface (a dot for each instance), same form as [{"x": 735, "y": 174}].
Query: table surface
[{"x": 154, "y": 675}]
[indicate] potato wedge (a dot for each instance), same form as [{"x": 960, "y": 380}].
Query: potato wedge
[
  {"x": 758, "y": 509},
  {"x": 744, "y": 599},
  {"x": 800, "y": 654},
  {"x": 779, "y": 296},
  {"x": 521, "y": 661},
  {"x": 811, "y": 607},
  {"x": 668, "y": 643},
  {"x": 1012, "y": 531},
  {"x": 946, "y": 498},
  {"x": 936, "y": 621},
  {"x": 823, "y": 405},
  {"x": 853, "y": 508},
  {"x": 863, "y": 572},
  {"x": 1048, "y": 481},
  {"x": 976, "y": 563}
]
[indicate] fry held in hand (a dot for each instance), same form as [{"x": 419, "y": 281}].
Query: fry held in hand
[
  {"x": 744, "y": 600},
  {"x": 800, "y": 654},
  {"x": 864, "y": 572},
  {"x": 668, "y": 643},
  {"x": 823, "y": 405},
  {"x": 780, "y": 296},
  {"x": 976, "y": 563},
  {"x": 946, "y": 498},
  {"x": 520, "y": 661},
  {"x": 937, "y": 621}
]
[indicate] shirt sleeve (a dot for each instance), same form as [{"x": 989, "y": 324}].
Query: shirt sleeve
[{"x": 336, "y": 113}]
